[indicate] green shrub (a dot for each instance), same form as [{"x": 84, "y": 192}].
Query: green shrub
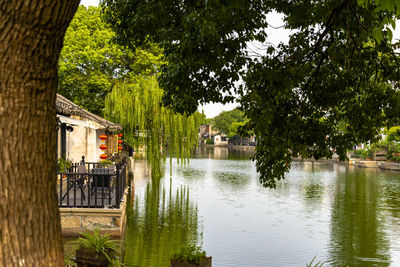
[
  {"x": 105, "y": 162},
  {"x": 393, "y": 134},
  {"x": 190, "y": 254},
  {"x": 378, "y": 146},
  {"x": 68, "y": 261},
  {"x": 393, "y": 149},
  {"x": 209, "y": 142},
  {"x": 63, "y": 164},
  {"x": 363, "y": 153},
  {"x": 358, "y": 152},
  {"x": 101, "y": 243}
]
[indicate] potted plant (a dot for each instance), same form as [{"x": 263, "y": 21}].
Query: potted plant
[
  {"x": 63, "y": 164},
  {"x": 95, "y": 249},
  {"x": 190, "y": 256},
  {"x": 105, "y": 163}
]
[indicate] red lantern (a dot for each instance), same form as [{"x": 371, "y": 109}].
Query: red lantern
[
  {"x": 120, "y": 135},
  {"x": 120, "y": 141},
  {"x": 103, "y": 156},
  {"x": 103, "y": 137},
  {"x": 119, "y": 148},
  {"x": 103, "y": 146}
]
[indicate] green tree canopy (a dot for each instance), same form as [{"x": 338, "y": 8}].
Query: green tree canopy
[
  {"x": 91, "y": 63},
  {"x": 393, "y": 134},
  {"x": 223, "y": 121},
  {"x": 234, "y": 129},
  {"x": 339, "y": 66}
]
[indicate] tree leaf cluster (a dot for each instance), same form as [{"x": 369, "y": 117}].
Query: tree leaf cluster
[
  {"x": 204, "y": 43},
  {"x": 91, "y": 63},
  {"x": 333, "y": 85},
  {"x": 223, "y": 121}
]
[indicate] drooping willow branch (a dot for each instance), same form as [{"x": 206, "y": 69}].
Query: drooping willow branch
[{"x": 150, "y": 126}]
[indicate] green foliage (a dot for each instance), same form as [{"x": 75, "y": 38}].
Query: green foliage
[
  {"x": 365, "y": 153},
  {"x": 63, "y": 164},
  {"x": 68, "y": 262},
  {"x": 335, "y": 84},
  {"x": 136, "y": 105},
  {"x": 101, "y": 243},
  {"x": 315, "y": 264},
  {"x": 115, "y": 263},
  {"x": 209, "y": 121},
  {"x": 234, "y": 129},
  {"x": 203, "y": 43},
  {"x": 91, "y": 63},
  {"x": 393, "y": 134},
  {"x": 223, "y": 121},
  {"x": 385, "y": 13},
  {"x": 106, "y": 162},
  {"x": 190, "y": 254},
  {"x": 209, "y": 142},
  {"x": 393, "y": 151}
]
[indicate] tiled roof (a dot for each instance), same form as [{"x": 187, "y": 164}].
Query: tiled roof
[{"x": 66, "y": 107}]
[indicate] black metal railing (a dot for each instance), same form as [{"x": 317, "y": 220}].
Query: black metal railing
[{"x": 89, "y": 185}]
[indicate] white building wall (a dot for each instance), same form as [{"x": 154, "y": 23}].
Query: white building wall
[
  {"x": 218, "y": 141},
  {"x": 84, "y": 140},
  {"x": 77, "y": 145}
]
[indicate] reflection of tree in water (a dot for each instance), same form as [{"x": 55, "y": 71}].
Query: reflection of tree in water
[
  {"x": 357, "y": 234},
  {"x": 222, "y": 153},
  {"x": 157, "y": 228},
  {"x": 314, "y": 189},
  {"x": 391, "y": 194},
  {"x": 235, "y": 180},
  {"x": 190, "y": 173}
]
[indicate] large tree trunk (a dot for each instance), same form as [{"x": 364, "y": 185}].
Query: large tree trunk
[{"x": 31, "y": 37}]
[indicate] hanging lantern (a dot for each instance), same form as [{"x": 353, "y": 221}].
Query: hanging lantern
[
  {"x": 103, "y": 137},
  {"x": 103, "y": 146},
  {"x": 119, "y": 148},
  {"x": 103, "y": 156},
  {"x": 120, "y": 135},
  {"x": 119, "y": 141}
]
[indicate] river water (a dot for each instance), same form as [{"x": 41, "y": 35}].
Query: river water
[{"x": 343, "y": 216}]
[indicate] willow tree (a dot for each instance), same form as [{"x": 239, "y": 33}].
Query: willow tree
[
  {"x": 340, "y": 64},
  {"x": 137, "y": 106}
]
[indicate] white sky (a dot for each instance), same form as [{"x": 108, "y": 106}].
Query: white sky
[{"x": 90, "y": 2}]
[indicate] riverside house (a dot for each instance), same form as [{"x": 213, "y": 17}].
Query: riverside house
[
  {"x": 79, "y": 132},
  {"x": 90, "y": 193}
]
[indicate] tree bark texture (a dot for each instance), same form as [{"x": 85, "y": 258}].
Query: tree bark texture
[{"x": 31, "y": 38}]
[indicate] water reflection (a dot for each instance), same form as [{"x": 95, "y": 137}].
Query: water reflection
[
  {"x": 343, "y": 215},
  {"x": 159, "y": 225},
  {"x": 222, "y": 153},
  {"x": 357, "y": 232}
]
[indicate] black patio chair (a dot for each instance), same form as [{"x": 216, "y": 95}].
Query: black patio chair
[
  {"x": 76, "y": 179},
  {"x": 102, "y": 184}
]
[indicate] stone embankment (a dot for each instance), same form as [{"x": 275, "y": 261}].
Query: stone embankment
[
  {"x": 383, "y": 165},
  {"x": 358, "y": 162}
]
